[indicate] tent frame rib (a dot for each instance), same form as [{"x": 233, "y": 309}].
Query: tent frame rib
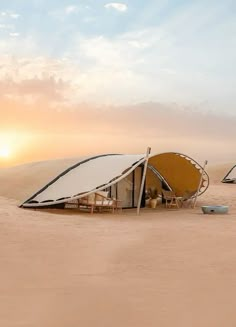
[{"x": 143, "y": 179}]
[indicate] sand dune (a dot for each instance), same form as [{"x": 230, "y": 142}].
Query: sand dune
[
  {"x": 21, "y": 181},
  {"x": 163, "y": 268},
  {"x": 218, "y": 172}
]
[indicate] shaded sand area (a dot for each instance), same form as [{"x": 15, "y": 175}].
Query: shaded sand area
[{"x": 166, "y": 267}]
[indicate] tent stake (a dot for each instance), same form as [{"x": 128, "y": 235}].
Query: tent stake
[
  {"x": 200, "y": 184},
  {"x": 143, "y": 180}
]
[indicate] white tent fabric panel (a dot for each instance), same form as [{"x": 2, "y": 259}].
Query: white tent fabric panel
[
  {"x": 232, "y": 174},
  {"x": 87, "y": 176}
]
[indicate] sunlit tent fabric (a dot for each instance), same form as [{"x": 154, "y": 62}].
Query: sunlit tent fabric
[
  {"x": 230, "y": 177},
  {"x": 180, "y": 172},
  {"x": 121, "y": 175}
]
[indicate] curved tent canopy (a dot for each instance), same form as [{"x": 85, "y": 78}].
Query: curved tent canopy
[
  {"x": 181, "y": 173},
  {"x": 86, "y": 177},
  {"x": 168, "y": 170},
  {"x": 230, "y": 177}
]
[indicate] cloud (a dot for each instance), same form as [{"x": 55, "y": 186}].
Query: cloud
[
  {"x": 62, "y": 14},
  {"x": 14, "y": 34},
  {"x": 138, "y": 44},
  {"x": 35, "y": 79},
  {"x": 18, "y": 48},
  {"x": 26, "y": 68},
  {"x": 180, "y": 60},
  {"x": 34, "y": 89},
  {"x": 71, "y": 10},
  {"x": 14, "y": 16},
  {"x": 123, "y": 69},
  {"x": 9, "y": 14},
  {"x": 117, "y": 6},
  {"x": 6, "y": 26}
]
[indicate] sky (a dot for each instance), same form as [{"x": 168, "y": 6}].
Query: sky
[{"x": 83, "y": 77}]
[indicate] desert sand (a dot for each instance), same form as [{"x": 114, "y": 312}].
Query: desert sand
[{"x": 166, "y": 267}]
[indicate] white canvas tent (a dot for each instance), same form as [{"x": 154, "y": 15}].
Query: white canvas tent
[
  {"x": 230, "y": 177},
  {"x": 121, "y": 175}
]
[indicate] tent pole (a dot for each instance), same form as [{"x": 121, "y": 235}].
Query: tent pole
[
  {"x": 200, "y": 184},
  {"x": 143, "y": 180}
]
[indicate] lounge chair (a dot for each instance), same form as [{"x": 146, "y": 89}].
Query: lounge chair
[
  {"x": 98, "y": 200},
  {"x": 171, "y": 200},
  {"x": 187, "y": 199}
]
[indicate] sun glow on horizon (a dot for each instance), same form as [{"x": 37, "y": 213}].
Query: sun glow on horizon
[{"x": 5, "y": 151}]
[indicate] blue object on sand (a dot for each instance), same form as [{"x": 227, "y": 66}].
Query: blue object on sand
[{"x": 215, "y": 209}]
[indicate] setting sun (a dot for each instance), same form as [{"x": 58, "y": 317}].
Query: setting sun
[{"x": 4, "y": 152}]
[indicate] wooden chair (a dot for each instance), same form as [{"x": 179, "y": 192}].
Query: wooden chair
[
  {"x": 187, "y": 199},
  {"x": 103, "y": 202},
  {"x": 171, "y": 200}
]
